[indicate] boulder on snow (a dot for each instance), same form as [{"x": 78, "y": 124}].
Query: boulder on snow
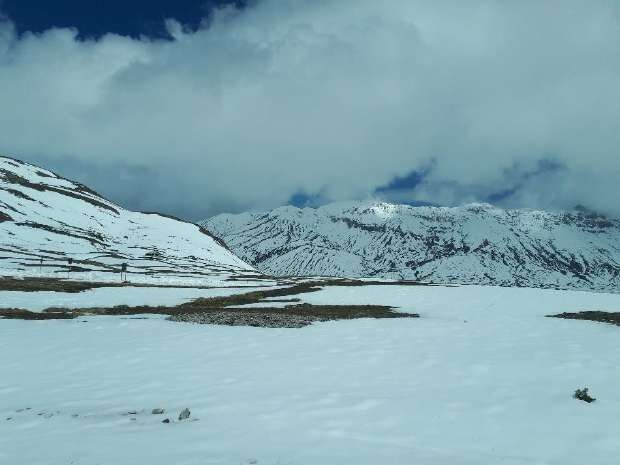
[{"x": 184, "y": 415}]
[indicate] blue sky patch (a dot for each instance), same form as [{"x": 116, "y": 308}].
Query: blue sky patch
[{"x": 94, "y": 19}]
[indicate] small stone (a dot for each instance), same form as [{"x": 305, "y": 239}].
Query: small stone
[
  {"x": 132, "y": 412},
  {"x": 184, "y": 415},
  {"x": 158, "y": 411},
  {"x": 9, "y": 418},
  {"x": 167, "y": 420}
]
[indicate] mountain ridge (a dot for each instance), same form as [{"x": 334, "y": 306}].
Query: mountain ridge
[{"x": 470, "y": 244}]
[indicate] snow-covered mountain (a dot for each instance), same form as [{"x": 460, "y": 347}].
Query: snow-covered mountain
[
  {"x": 471, "y": 244},
  {"x": 50, "y": 226}
]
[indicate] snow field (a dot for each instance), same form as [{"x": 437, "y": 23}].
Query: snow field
[{"x": 481, "y": 378}]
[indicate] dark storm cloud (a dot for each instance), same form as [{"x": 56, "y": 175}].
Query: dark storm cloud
[{"x": 331, "y": 98}]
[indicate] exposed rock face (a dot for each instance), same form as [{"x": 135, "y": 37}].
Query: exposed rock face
[
  {"x": 474, "y": 244},
  {"x": 55, "y": 227}
]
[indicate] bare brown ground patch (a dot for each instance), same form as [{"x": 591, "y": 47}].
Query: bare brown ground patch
[
  {"x": 602, "y": 317},
  {"x": 224, "y": 310},
  {"x": 64, "y": 285},
  {"x": 49, "y": 284}
]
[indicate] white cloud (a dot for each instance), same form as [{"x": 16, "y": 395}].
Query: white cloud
[{"x": 325, "y": 96}]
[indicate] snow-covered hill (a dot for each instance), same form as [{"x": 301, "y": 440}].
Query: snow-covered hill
[
  {"x": 476, "y": 243},
  {"x": 47, "y": 221}
]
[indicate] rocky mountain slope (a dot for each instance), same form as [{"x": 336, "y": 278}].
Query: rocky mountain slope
[
  {"x": 472, "y": 244},
  {"x": 50, "y": 226}
]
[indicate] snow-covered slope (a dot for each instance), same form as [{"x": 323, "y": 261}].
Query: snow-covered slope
[
  {"x": 476, "y": 243},
  {"x": 43, "y": 216}
]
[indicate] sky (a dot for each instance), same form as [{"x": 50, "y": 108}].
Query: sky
[{"x": 194, "y": 108}]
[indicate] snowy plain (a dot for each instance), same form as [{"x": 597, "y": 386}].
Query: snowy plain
[{"x": 481, "y": 378}]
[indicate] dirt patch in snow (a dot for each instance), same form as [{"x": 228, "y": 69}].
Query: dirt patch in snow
[
  {"x": 32, "y": 284},
  {"x": 602, "y": 317},
  {"x": 224, "y": 310},
  {"x": 49, "y": 284},
  {"x": 292, "y": 316},
  {"x": 63, "y": 285},
  {"x": 5, "y": 217},
  {"x": 21, "y": 314}
]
